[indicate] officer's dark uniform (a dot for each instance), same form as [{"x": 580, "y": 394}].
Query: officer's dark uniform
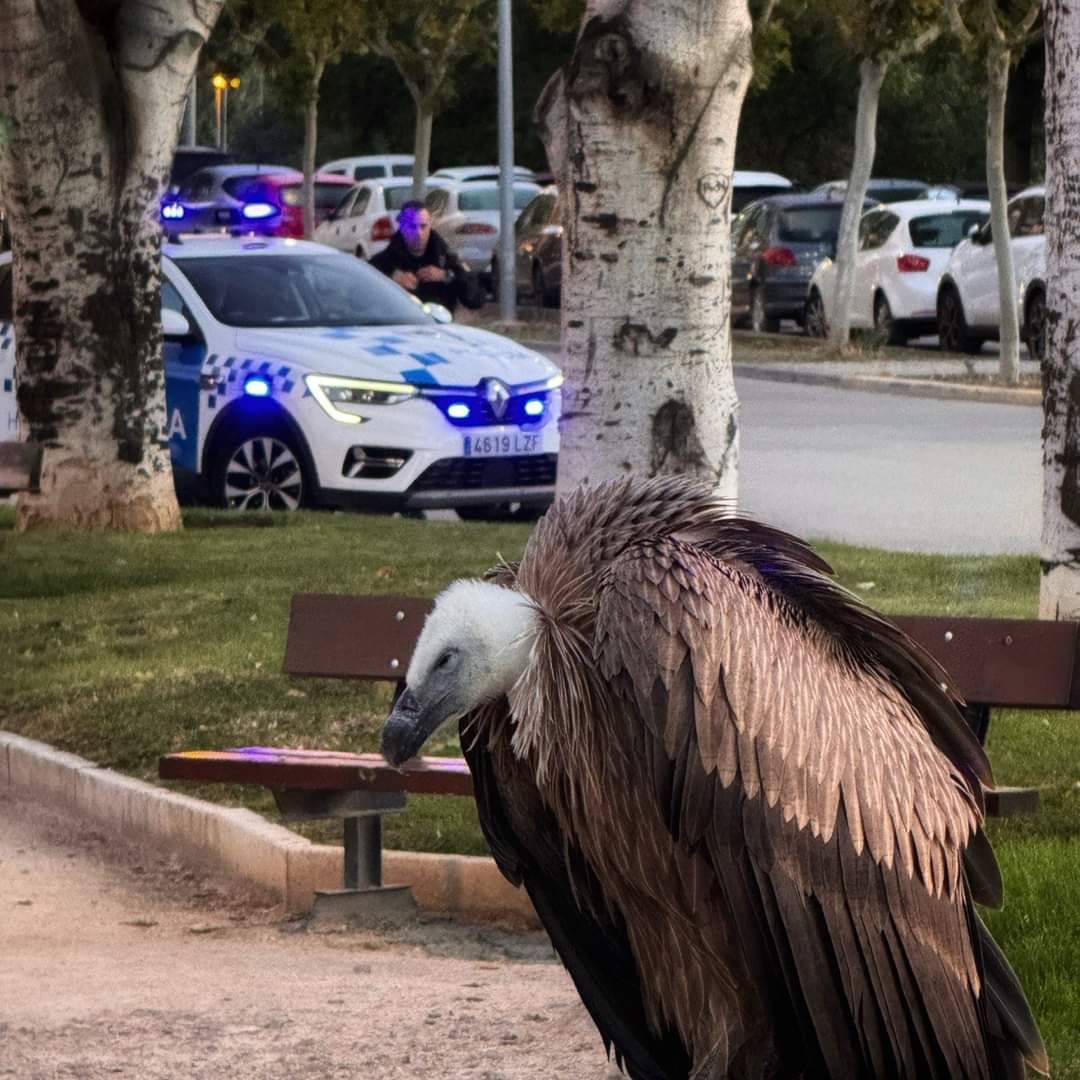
[{"x": 460, "y": 284}]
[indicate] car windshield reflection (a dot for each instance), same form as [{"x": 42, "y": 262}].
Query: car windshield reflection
[{"x": 299, "y": 291}]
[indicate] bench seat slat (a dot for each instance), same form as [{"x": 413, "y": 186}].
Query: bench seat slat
[{"x": 318, "y": 769}]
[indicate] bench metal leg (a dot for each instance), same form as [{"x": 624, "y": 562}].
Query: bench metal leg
[
  {"x": 363, "y": 852},
  {"x": 364, "y": 898}
]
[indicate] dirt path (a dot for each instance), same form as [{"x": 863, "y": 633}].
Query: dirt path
[{"x": 116, "y": 962}]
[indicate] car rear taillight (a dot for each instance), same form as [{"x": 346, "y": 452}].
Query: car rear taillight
[
  {"x": 383, "y": 229},
  {"x": 912, "y": 264},
  {"x": 779, "y": 256},
  {"x": 474, "y": 228}
]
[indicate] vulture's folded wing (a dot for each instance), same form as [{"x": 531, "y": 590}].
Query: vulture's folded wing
[
  {"x": 797, "y": 766},
  {"x": 532, "y": 851}
]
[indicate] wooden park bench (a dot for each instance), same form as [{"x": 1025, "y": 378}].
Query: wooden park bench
[
  {"x": 1014, "y": 663},
  {"x": 20, "y": 467}
]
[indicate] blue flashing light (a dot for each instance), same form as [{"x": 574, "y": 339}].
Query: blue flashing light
[
  {"x": 534, "y": 407},
  {"x": 257, "y": 386},
  {"x": 172, "y": 211},
  {"x": 458, "y": 411},
  {"x": 257, "y": 211}
]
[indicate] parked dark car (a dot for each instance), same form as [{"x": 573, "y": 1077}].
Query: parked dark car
[
  {"x": 538, "y": 235},
  {"x": 190, "y": 159},
  {"x": 776, "y": 243}
]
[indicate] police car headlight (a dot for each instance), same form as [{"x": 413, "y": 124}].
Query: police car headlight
[{"x": 331, "y": 391}]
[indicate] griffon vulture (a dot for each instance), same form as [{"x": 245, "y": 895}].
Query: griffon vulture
[{"x": 745, "y": 806}]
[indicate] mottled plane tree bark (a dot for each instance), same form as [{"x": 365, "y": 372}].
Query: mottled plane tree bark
[
  {"x": 1059, "y": 596},
  {"x": 640, "y": 130},
  {"x": 91, "y": 96}
]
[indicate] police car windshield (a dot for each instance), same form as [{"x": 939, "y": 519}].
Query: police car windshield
[{"x": 299, "y": 290}]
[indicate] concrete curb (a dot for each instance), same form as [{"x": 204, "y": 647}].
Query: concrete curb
[
  {"x": 242, "y": 844},
  {"x": 891, "y": 384},
  {"x": 882, "y": 384}
]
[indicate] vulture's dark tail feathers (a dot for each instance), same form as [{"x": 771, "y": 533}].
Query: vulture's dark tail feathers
[{"x": 1013, "y": 1034}]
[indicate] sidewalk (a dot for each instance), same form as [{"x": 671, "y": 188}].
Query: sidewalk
[{"x": 917, "y": 372}]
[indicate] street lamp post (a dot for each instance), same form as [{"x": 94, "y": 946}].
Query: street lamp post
[
  {"x": 222, "y": 84},
  {"x": 505, "y": 284}
]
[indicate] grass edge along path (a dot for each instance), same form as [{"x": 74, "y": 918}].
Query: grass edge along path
[{"x": 122, "y": 647}]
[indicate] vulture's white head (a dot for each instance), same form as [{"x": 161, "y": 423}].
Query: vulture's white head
[{"x": 473, "y": 647}]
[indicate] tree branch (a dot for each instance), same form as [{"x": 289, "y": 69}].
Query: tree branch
[{"x": 956, "y": 22}]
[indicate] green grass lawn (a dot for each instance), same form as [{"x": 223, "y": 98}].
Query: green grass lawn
[{"x": 121, "y": 648}]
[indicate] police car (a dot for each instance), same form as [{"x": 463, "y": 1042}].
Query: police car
[{"x": 299, "y": 375}]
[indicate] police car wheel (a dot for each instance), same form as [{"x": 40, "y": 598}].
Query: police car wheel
[{"x": 261, "y": 472}]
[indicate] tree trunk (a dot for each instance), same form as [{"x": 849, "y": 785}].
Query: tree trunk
[
  {"x": 997, "y": 72},
  {"x": 425, "y": 115},
  {"x": 93, "y": 105},
  {"x": 311, "y": 135},
  {"x": 640, "y": 128},
  {"x": 871, "y": 76},
  {"x": 1059, "y": 596}
]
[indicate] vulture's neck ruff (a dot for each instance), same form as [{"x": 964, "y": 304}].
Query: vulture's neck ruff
[{"x": 473, "y": 648}]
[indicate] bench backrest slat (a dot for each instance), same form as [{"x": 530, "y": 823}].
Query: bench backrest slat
[
  {"x": 353, "y": 637},
  {"x": 1025, "y": 663}
]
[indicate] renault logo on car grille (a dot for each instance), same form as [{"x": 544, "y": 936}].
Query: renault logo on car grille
[{"x": 497, "y": 395}]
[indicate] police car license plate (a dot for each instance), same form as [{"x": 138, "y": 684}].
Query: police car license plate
[{"x": 518, "y": 442}]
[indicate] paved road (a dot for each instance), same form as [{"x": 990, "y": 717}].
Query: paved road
[{"x": 904, "y": 473}]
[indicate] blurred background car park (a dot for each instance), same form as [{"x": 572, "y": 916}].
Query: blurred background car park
[
  {"x": 538, "y": 241},
  {"x": 748, "y": 186},
  {"x": 776, "y": 244},
  {"x": 903, "y": 249},
  {"x": 370, "y": 166},
  {"x": 264, "y": 199},
  {"x": 968, "y": 304},
  {"x": 879, "y": 189},
  {"x": 466, "y": 215},
  {"x": 481, "y": 172},
  {"x": 190, "y": 159},
  {"x": 366, "y": 218}
]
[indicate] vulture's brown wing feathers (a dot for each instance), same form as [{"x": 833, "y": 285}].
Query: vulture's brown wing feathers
[
  {"x": 793, "y": 752},
  {"x": 532, "y": 851}
]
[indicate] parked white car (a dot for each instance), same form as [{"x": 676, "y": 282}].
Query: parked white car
[
  {"x": 480, "y": 172},
  {"x": 749, "y": 185},
  {"x": 903, "y": 250},
  {"x": 371, "y": 166},
  {"x": 296, "y": 375},
  {"x": 466, "y": 215},
  {"x": 968, "y": 303},
  {"x": 366, "y": 219}
]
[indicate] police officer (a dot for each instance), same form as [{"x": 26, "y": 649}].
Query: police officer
[{"x": 419, "y": 260}]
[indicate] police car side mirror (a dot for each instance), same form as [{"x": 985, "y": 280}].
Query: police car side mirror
[
  {"x": 174, "y": 325},
  {"x": 439, "y": 313}
]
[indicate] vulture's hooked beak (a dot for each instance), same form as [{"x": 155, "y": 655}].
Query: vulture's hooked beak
[{"x": 406, "y": 729}]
